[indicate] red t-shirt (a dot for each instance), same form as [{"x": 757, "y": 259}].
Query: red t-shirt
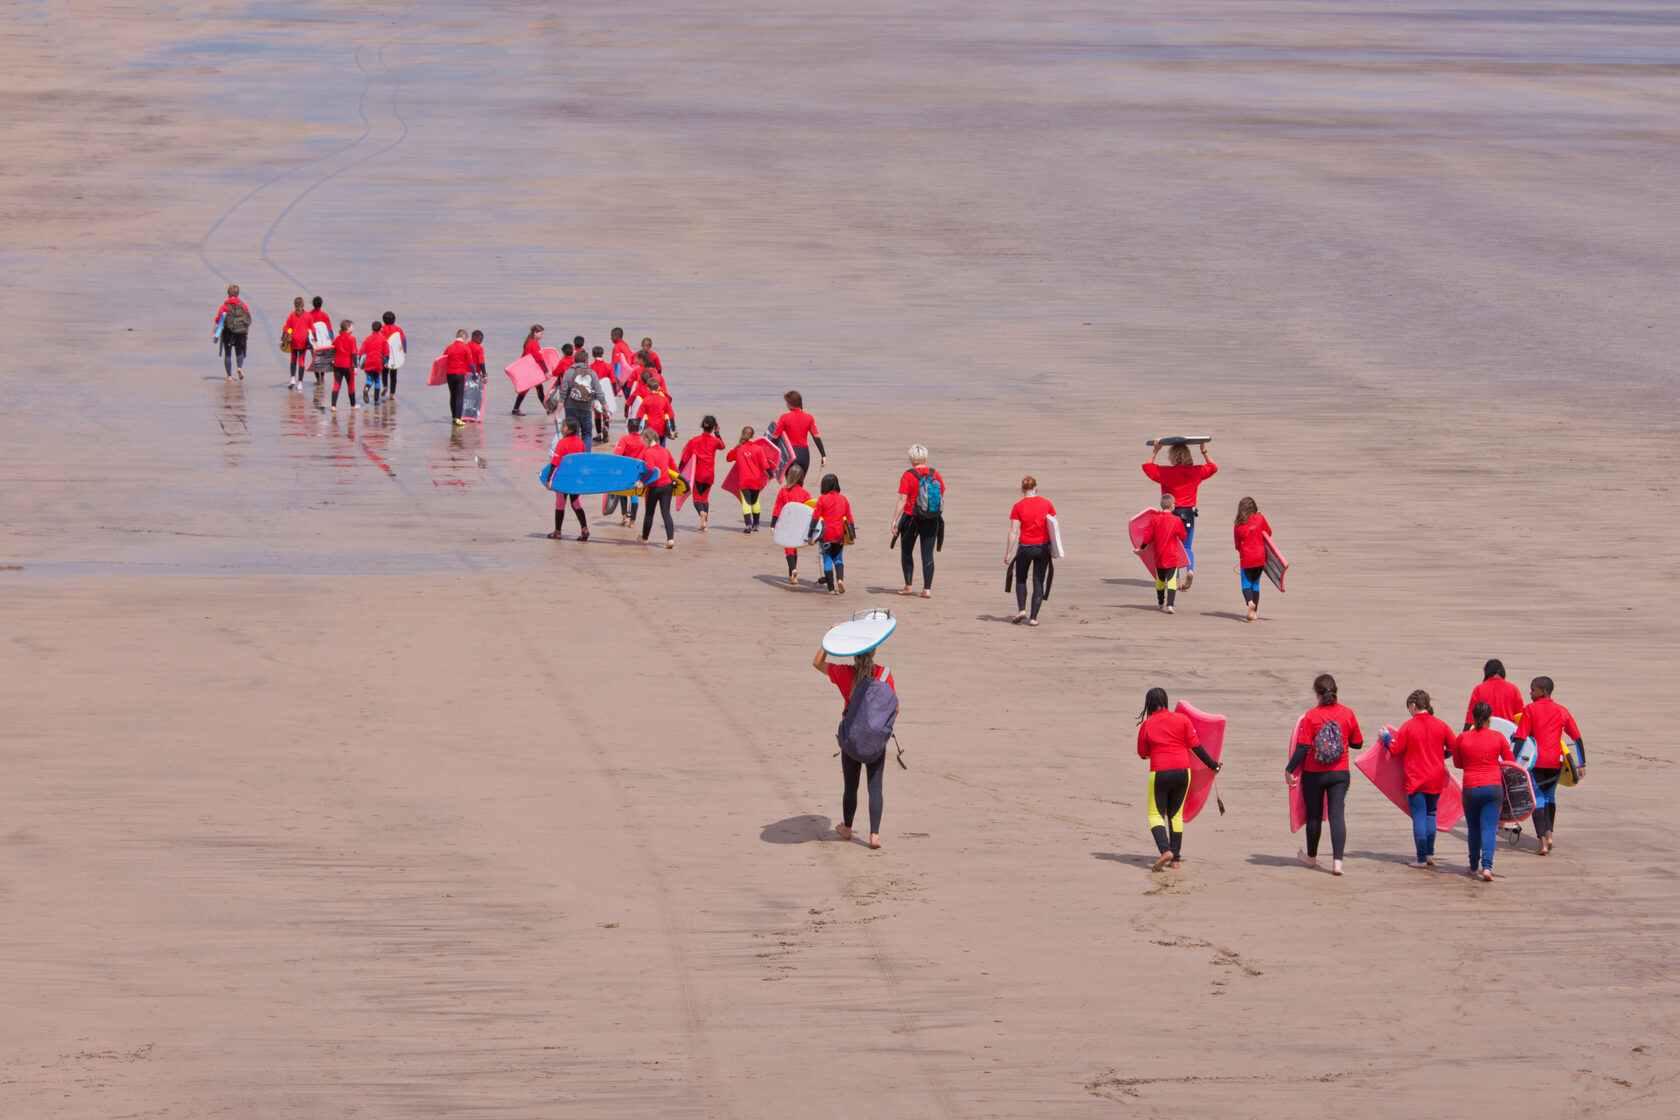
[
  {"x": 374, "y": 351},
  {"x": 789, "y": 494},
  {"x": 459, "y": 357},
  {"x": 604, "y": 372},
  {"x": 1181, "y": 482},
  {"x": 752, "y": 470},
  {"x": 653, "y": 360},
  {"x": 533, "y": 349},
  {"x": 1499, "y": 694},
  {"x": 660, "y": 462},
  {"x": 313, "y": 317},
  {"x": 1317, "y": 717},
  {"x": 1545, "y": 721},
  {"x": 797, "y": 427},
  {"x": 228, "y": 303},
  {"x": 1165, "y": 739},
  {"x": 835, "y": 511},
  {"x": 571, "y": 445},
  {"x": 1424, "y": 740},
  {"x": 910, "y": 482},
  {"x": 656, "y": 409},
  {"x": 844, "y": 675},
  {"x": 1478, "y": 754},
  {"x": 391, "y": 330},
  {"x": 1031, "y": 513},
  {"x": 477, "y": 349},
  {"x": 297, "y": 325},
  {"x": 630, "y": 444},
  {"x": 1166, "y": 533},
  {"x": 344, "y": 351},
  {"x": 621, "y": 352},
  {"x": 1251, "y": 544},
  {"x": 703, "y": 449}
]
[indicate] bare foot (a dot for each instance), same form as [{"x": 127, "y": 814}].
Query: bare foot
[
  {"x": 1018, "y": 616},
  {"x": 875, "y": 840},
  {"x": 1165, "y": 858},
  {"x": 1473, "y": 873},
  {"x": 1429, "y": 862},
  {"x": 1418, "y": 865},
  {"x": 1487, "y": 875},
  {"x": 1169, "y": 610},
  {"x": 926, "y": 594},
  {"x": 1252, "y": 612},
  {"x": 840, "y": 586},
  {"x": 793, "y": 580},
  {"x": 1335, "y": 867},
  {"x": 670, "y": 544},
  {"x": 844, "y": 831},
  {"x": 1032, "y": 622},
  {"x": 555, "y": 536},
  {"x": 907, "y": 590},
  {"x": 1306, "y": 860},
  {"x": 831, "y": 591},
  {"x": 1173, "y": 864}
]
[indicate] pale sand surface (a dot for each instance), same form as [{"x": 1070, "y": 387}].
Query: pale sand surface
[{"x": 332, "y": 789}]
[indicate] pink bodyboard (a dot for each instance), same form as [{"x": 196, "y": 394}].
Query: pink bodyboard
[
  {"x": 440, "y": 369},
  {"x": 1276, "y": 565},
  {"x": 526, "y": 374},
  {"x": 1210, "y": 730},
  {"x": 732, "y": 481},
  {"x": 1387, "y": 772},
  {"x": 1138, "y": 529},
  {"x": 1297, "y": 799},
  {"x": 687, "y": 476}
]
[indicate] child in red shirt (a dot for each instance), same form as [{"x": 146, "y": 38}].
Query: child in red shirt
[
  {"x": 1479, "y": 752},
  {"x": 1324, "y": 783},
  {"x": 375, "y": 349},
  {"x": 838, "y": 529},
  {"x": 703, "y": 449},
  {"x": 752, "y": 472},
  {"x": 845, "y": 678},
  {"x": 1167, "y": 740},
  {"x": 296, "y": 333},
  {"x": 1546, "y": 722},
  {"x": 1182, "y": 479},
  {"x": 1028, "y": 549},
  {"x": 791, "y": 491},
  {"x": 800, "y": 430},
  {"x": 570, "y": 444},
  {"x": 344, "y": 363},
  {"x": 1504, "y": 699},
  {"x": 660, "y": 487},
  {"x": 1250, "y": 534},
  {"x": 1423, "y": 741},
  {"x": 630, "y": 445},
  {"x": 1166, "y": 533}
]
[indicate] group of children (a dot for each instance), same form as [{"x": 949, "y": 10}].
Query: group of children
[{"x": 308, "y": 338}]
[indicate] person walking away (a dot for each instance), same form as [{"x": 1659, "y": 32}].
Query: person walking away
[
  {"x": 1503, "y": 698},
  {"x": 1029, "y": 549},
  {"x": 296, "y": 334},
  {"x": 791, "y": 491},
  {"x": 533, "y": 349},
  {"x": 630, "y": 446},
  {"x": 1250, "y": 534},
  {"x": 235, "y": 318},
  {"x": 578, "y": 389},
  {"x": 1545, "y": 721},
  {"x": 1327, "y": 734},
  {"x": 799, "y": 429},
  {"x": 1479, "y": 752},
  {"x": 653, "y": 357},
  {"x": 458, "y": 363},
  {"x": 659, "y": 488},
  {"x": 570, "y": 444},
  {"x": 398, "y": 342},
  {"x": 344, "y": 353},
  {"x": 845, "y": 678},
  {"x": 703, "y": 449},
  {"x": 752, "y": 473},
  {"x": 838, "y": 531},
  {"x": 919, "y": 516},
  {"x": 659, "y": 419},
  {"x": 1182, "y": 478},
  {"x": 1423, "y": 742},
  {"x": 603, "y": 371},
  {"x": 320, "y": 337},
  {"x": 1166, "y": 534},
  {"x": 1167, "y": 740},
  {"x": 376, "y": 350}
]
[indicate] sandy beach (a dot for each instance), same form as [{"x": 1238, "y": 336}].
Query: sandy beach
[{"x": 333, "y": 788}]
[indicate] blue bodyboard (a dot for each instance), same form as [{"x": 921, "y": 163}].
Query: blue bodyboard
[{"x": 593, "y": 473}]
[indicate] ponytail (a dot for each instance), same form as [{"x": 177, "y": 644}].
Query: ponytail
[
  {"x": 1481, "y": 713},
  {"x": 1325, "y": 686},
  {"x": 1420, "y": 699}
]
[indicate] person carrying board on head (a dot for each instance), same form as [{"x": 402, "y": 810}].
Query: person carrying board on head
[
  {"x": 845, "y": 678},
  {"x": 919, "y": 515},
  {"x": 1028, "y": 550},
  {"x": 1478, "y": 752},
  {"x": 1250, "y": 533},
  {"x": 1168, "y": 739},
  {"x": 1182, "y": 478},
  {"x": 1326, "y": 735},
  {"x": 1546, "y": 721},
  {"x": 791, "y": 491},
  {"x": 1166, "y": 536},
  {"x": 1424, "y": 742}
]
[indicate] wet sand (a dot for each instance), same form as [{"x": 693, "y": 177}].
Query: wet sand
[{"x": 332, "y": 787}]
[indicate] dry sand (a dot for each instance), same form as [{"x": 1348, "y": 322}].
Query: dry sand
[{"x": 332, "y": 789}]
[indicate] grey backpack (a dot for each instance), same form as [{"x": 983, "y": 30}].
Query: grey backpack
[
  {"x": 868, "y": 722},
  {"x": 1327, "y": 745}
]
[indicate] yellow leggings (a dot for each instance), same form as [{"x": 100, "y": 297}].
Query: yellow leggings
[{"x": 1167, "y": 791}]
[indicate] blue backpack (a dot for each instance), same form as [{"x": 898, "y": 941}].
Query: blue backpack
[
  {"x": 868, "y": 722},
  {"x": 930, "y": 494}
]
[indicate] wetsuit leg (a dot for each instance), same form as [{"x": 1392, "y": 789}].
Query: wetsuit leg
[
  {"x": 850, "y": 769},
  {"x": 1166, "y": 586},
  {"x": 1251, "y": 584},
  {"x": 457, "y": 386},
  {"x": 1023, "y": 565},
  {"x": 929, "y": 536},
  {"x": 1167, "y": 791},
  {"x": 1545, "y": 793},
  {"x": 1040, "y": 569},
  {"x": 907, "y": 547},
  {"x": 877, "y": 769}
]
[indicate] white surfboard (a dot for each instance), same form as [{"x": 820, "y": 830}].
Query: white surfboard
[
  {"x": 320, "y": 336},
  {"x": 861, "y": 633},
  {"x": 1055, "y": 537},
  {"x": 399, "y": 349},
  {"x": 793, "y": 526}
]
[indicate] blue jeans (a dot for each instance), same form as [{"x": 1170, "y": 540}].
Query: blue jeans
[
  {"x": 584, "y": 418},
  {"x": 1188, "y": 516},
  {"x": 1422, "y": 806},
  {"x": 1481, "y": 818}
]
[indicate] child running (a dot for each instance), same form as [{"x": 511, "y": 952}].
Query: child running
[
  {"x": 791, "y": 491},
  {"x": 703, "y": 449},
  {"x": 533, "y": 349},
  {"x": 1250, "y": 534},
  {"x": 752, "y": 472},
  {"x": 1501, "y": 695},
  {"x": 660, "y": 487},
  {"x": 570, "y": 444},
  {"x": 1167, "y": 740},
  {"x": 1327, "y": 734},
  {"x": 1478, "y": 752},
  {"x": 1181, "y": 479},
  {"x": 1423, "y": 742},
  {"x": 1028, "y": 548},
  {"x": 344, "y": 363},
  {"x": 630, "y": 446},
  {"x": 838, "y": 530},
  {"x": 800, "y": 430},
  {"x": 1166, "y": 533},
  {"x": 1545, "y": 721},
  {"x": 375, "y": 349},
  {"x": 844, "y": 677}
]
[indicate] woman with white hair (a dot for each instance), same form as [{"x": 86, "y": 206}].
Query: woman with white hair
[{"x": 919, "y": 515}]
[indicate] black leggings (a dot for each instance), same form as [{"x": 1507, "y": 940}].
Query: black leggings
[
  {"x": 909, "y": 531},
  {"x": 850, "y": 769},
  {"x": 1545, "y": 785},
  {"x": 1167, "y": 791},
  {"x": 1315, "y": 787},
  {"x": 390, "y": 381},
  {"x": 299, "y": 363},
  {"x": 702, "y": 497},
  {"x": 457, "y": 386},
  {"x": 802, "y": 456},
  {"x": 577, "y": 508},
  {"x": 659, "y": 496},
  {"x": 749, "y": 505},
  {"x": 1037, "y": 558},
  {"x": 520, "y": 399},
  {"x": 1251, "y": 584},
  {"x": 341, "y": 377}
]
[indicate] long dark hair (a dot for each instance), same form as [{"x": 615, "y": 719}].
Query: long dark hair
[
  {"x": 709, "y": 425},
  {"x": 831, "y": 484},
  {"x": 1325, "y": 685},
  {"x": 1494, "y": 668},
  {"x": 1155, "y": 700},
  {"x": 1245, "y": 510},
  {"x": 532, "y": 333},
  {"x": 1481, "y": 713}
]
